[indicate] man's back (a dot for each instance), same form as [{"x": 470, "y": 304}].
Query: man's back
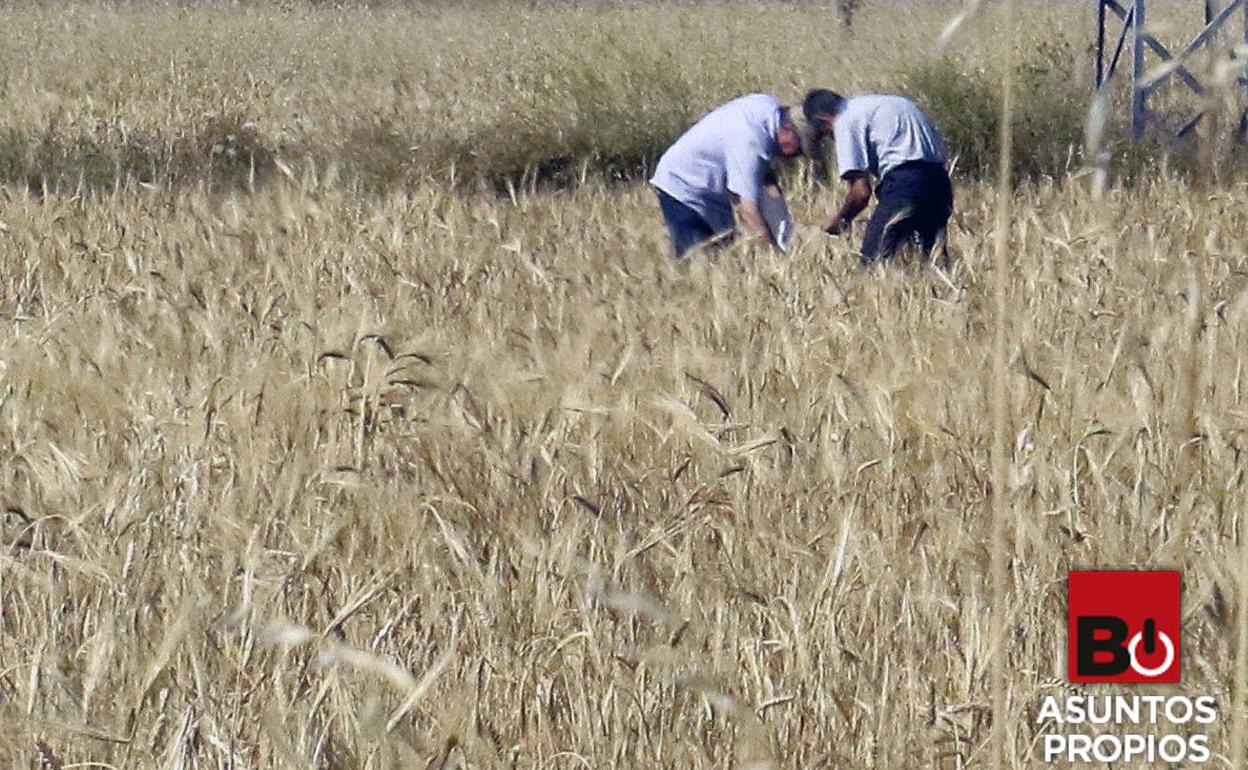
[{"x": 876, "y": 133}]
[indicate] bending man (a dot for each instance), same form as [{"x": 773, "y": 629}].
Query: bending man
[
  {"x": 725, "y": 158},
  {"x": 888, "y": 138}
]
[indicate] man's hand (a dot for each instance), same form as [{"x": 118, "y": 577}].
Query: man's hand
[
  {"x": 856, "y": 200},
  {"x": 753, "y": 218}
]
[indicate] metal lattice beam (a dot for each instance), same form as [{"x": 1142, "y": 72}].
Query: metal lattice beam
[{"x": 1132, "y": 16}]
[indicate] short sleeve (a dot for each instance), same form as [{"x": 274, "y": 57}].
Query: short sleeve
[
  {"x": 746, "y": 166},
  {"x": 853, "y": 145}
]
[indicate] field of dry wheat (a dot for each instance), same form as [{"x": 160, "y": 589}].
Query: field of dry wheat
[{"x": 353, "y": 456}]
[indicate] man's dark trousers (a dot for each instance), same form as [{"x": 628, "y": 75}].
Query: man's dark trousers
[
  {"x": 915, "y": 198},
  {"x": 686, "y": 226}
]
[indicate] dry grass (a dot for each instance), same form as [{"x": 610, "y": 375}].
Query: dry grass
[
  {"x": 303, "y": 477},
  {"x": 403, "y": 95}
]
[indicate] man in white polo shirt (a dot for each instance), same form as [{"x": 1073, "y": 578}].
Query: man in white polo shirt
[
  {"x": 723, "y": 159},
  {"x": 890, "y": 139}
]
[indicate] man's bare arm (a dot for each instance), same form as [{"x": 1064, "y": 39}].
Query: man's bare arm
[
  {"x": 753, "y": 218},
  {"x": 856, "y": 200}
]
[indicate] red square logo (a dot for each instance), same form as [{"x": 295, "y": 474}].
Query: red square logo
[{"x": 1123, "y": 626}]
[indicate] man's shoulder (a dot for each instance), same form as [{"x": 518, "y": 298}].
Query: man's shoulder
[
  {"x": 757, "y": 99},
  {"x": 752, "y": 107},
  {"x": 729, "y": 118},
  {"x": 748, "y": 121},
  {"x": 868, "y": 103}
]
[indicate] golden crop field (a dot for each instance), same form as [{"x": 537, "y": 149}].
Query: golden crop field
[{"x": 352, "y": 414}]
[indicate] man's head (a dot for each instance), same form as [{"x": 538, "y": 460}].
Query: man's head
[
  {"x": 789, "y": 137},
  {"x": 821, "y": 107}
]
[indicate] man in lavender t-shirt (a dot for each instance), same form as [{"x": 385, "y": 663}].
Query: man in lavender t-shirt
[
  {"x": 887, "y": 138},
  {"x": 724, "y": 159}
]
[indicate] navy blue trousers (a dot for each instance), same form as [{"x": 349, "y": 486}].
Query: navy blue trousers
[
  {"x": 914, "y": 203},
  {"x": 686, "y": 226}
]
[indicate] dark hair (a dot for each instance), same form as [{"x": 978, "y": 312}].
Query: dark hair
[{"x": 821, "y": 101}]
